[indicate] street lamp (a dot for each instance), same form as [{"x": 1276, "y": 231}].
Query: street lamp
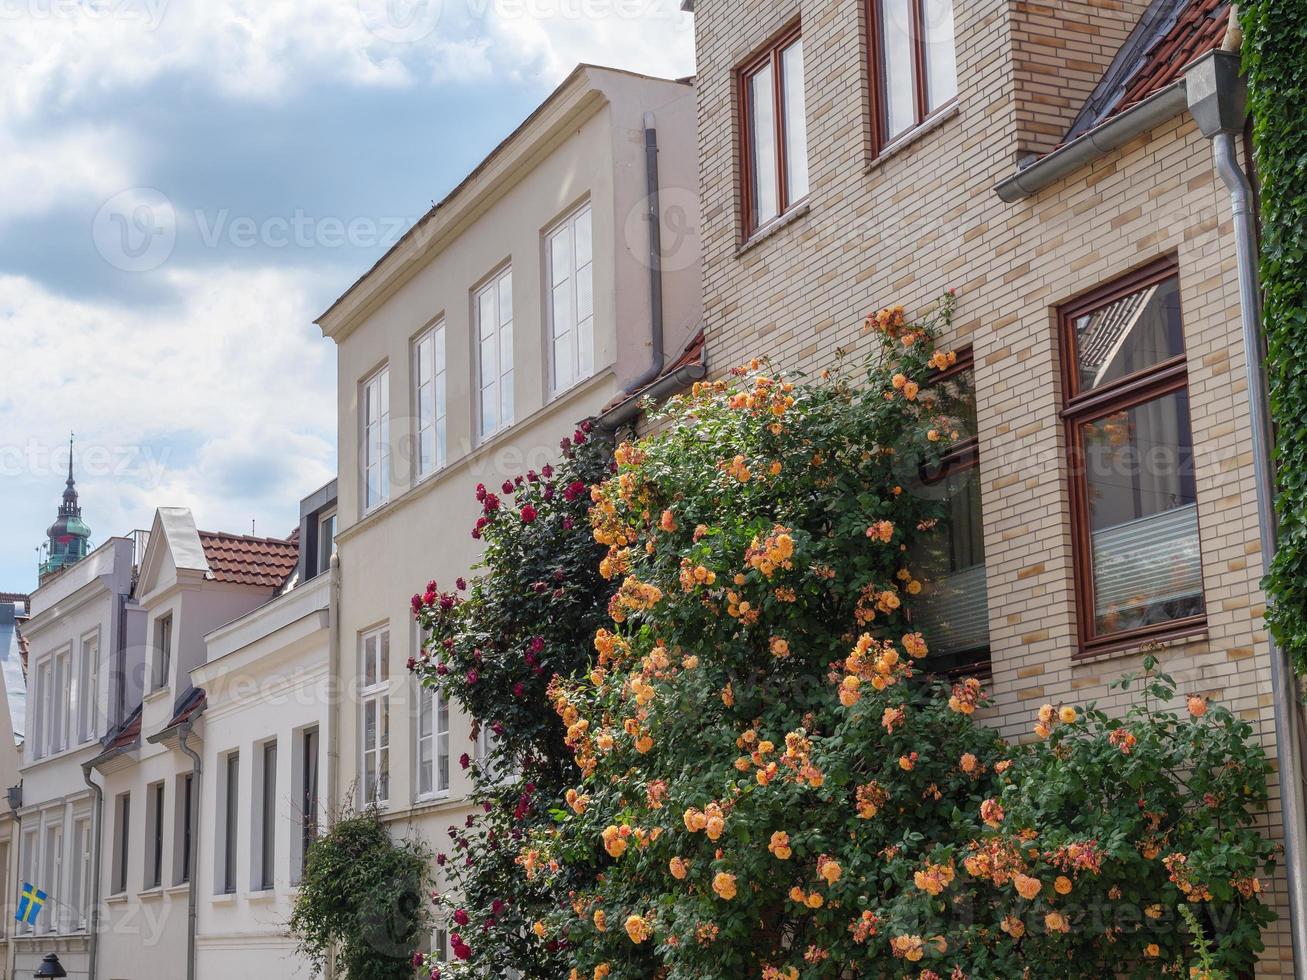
[{"x": 50, "y": 967}]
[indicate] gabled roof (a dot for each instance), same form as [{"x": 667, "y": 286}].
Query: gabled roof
[
  {"x": 1170, "y": 36},
  {"x": 128, "y": 735},
  {"x": 242, "y": 559}
]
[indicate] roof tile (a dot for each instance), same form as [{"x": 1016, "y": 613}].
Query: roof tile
[{"x": 242, "y": 559}]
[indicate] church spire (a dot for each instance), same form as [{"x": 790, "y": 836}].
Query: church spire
[{"x": 68, "y": 536}]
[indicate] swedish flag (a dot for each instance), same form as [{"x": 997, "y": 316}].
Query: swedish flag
[{"x": 30, "y": 904}]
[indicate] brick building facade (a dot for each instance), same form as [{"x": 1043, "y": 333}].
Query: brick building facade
[{"x": 900, "y": 220}]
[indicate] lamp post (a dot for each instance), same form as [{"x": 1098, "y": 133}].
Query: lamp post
[{"x": 50, "y": 967}]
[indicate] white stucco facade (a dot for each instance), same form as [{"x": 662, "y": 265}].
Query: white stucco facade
[
  {"x": 86, "y": 649},
  {"x": 584, "y": 148},
  {"x": 266, "y": 680}
]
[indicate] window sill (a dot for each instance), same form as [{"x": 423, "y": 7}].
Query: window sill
[
  {"x": 180, "y": 889},
  {"x": 119, "y": 898},
  {"x": 1135, "y": 645},
  {"x": 223, "y": 898},
  {"x": 150, "y": 894},
  {"x": 901, "y": 143},
  {"x": 773, "y": 227},
  {"x": 262, "y": 896},
  {"x": 155, "y": 694}
]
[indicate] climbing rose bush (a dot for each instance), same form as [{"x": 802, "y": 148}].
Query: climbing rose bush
[{"x": 768, "y": 782}]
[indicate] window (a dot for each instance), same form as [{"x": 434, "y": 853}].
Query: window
[
  {"x": 57, "y": 702},
  {"x": 31, "y": 842},
  {"x": 307, "y": 767},
  {"x": 913, "y": 64},
  {"x": 952, "y": 611},
  {"x": 231, "y": 820},
  {"x": 429, "y": 377},
  {"x": 162, "y": 651},
  {"x": 775, "y": 143},
  {"x": 87, "y": 691},
  {"x": 154, "y": 835},
  {"x": 1133, "y": 492},
  {"x": 376, "y": 439},
  {"x": 432, "y": 753},
  {"x": 266, "y": 872},
  {"x": 326, "y": 541},
  {"x": 122, "y": 838},
  {"x": 183, "y": 828},
  {"x": 52, "y": 862},
  {"x": 493, "y": 313},
  {"x": 44, "y": 693},
  {"x": 570, "y": 274},
  {"x": 83, "y": 850},
  {"x": 376, "y": 715}
]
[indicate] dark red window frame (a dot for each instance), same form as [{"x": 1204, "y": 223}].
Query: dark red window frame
[
  {"x": 770, "y": 55},
  {"x": 875, "y": 30},
  {"x": 1164, "y": 378}
]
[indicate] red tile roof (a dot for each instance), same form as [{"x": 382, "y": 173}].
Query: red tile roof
[
  {"x": 128, "y": 735},
  {"x": 1200, "y": 28},
  {"x": 13, "y": 597},
  {"x": 693, "y": 354},
  {"x": 191, "y": 705},
  {"x": 244, "y": 560}
]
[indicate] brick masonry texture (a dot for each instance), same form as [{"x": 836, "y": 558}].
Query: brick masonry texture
[{"x": 904, "y": 228}]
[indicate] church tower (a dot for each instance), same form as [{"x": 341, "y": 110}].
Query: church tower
[{"x": 68, "y": 535}]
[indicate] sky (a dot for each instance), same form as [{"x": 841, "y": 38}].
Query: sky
[{"x": 185, "y": 185}]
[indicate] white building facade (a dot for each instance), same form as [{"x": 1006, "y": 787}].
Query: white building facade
[
  {"x": 86, "y": 650},
  {"x": 150, "y": 773},
  {"x": 518, "y": 306},
  {"x": 267, "y": 684}
]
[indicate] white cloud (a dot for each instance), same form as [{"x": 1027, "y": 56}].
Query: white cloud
[
  {"x": 84, "y": 163},
  {"x": 226, "y": 405}
]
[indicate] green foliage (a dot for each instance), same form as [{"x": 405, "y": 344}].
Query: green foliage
[
  {"x": 365, "y": 896},
  {"x": 495, "y": 644},
  {"x": 1275, "y": 36},
  {"x": 767, "y": 782}
]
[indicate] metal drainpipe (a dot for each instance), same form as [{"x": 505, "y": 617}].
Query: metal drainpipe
[
  {"x": 334, "y": 704},
  {"x": 654, "y": 217},
  {"x": 93, "y": 927},
  {"x": 15, "y": 855},
  {"x": 192, "y": 897},
  {"x": 1217, "y": 100}
]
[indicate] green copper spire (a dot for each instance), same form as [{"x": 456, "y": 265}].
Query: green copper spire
[{"x": 68, "y": 535}]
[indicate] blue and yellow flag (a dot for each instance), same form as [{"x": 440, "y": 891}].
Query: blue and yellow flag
[{"x": 30, "y": 904}]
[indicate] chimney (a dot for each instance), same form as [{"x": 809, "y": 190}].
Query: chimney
[{"x": 1060, "y": 50}]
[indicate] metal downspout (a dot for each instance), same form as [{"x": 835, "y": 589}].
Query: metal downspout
[
  {"x": 1284, "y": 695},
  {"x": 1217, "y": 101},
  {"x": 654, "y": 216},
  {"x": 192, "y": 896},
  {"x": 93, "y": 939},
  {"x": 334, "y": 706}
]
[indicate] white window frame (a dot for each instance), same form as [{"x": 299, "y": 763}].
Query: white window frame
[
  {"x": 83, "y": 850},
  {"x": 571, "y": 335},
  {"x": 30, "y": 861},
  {"x": 376, "y": 438},
  {"x": 263, "y": 858},
  {"x": 164, "y": 637},
  {"x": 87, "y": 710},
  {"x": 56, "y": 697},
  {"x": 374, "y": 696},
  {"x": 326, "y": 539},
  {"x": 122, "y": 843},
  {"x": 495, "y": 341},
  {"x": 52, "y": 867},
  {"x": 40, "y": 745},
  {"x": 430, "y": 735},
  {"x": 430, "y": 371}
]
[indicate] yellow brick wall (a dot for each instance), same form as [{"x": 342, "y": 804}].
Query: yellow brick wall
[{"x": 907, "y": 227}]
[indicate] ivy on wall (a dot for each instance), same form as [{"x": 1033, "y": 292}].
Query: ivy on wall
[{"x": 1275, "y": 37}]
